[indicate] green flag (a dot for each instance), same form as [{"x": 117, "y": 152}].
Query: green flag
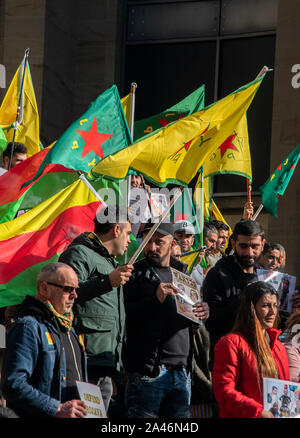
[
  {"x": 278, "y": 181},
  {"x": 3, "y": 141},
  {"x": 102, "y": 130},
  {"x": 190, "y": 104}
]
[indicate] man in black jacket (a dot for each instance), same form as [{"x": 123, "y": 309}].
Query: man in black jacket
[
  {"x": 157, "y": 353},
  {"x": 225, "y": 281}
]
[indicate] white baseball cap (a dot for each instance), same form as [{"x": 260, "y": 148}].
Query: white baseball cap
[{"x": 185, "y": 226}]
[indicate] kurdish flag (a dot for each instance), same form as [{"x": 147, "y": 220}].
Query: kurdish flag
[
  {"x": 278, "y": 181},
  {"x": 190, "y": 104},
  {"x": 233, "y": 155},
  {"x": 175, "y": 153},
  {"x": 39, "y": 236},
  {"x": 99, "y": 132},
  {"x": 27, "y": 126},
  {"x": 183, "y": 209},
  {"x": 14, "y": 196}
]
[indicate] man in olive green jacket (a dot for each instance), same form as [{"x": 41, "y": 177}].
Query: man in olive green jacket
[{"x": 99, "y": 310}]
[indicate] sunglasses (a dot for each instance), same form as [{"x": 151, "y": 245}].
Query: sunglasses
[{"x": 67, "y": 289}]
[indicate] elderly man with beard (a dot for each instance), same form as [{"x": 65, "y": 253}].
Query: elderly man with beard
[
  {"x": 224, "y": 283},
  {"x": 158, "y": 350}
]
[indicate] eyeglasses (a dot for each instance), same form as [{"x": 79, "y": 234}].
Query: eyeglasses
[{"x": 67, "y": 289}]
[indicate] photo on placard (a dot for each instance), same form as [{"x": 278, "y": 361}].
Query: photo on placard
[
  {"x": 187, "y": 296},
  {"x": 282, "y": 398},
  {"x": 283, "y": 283}
]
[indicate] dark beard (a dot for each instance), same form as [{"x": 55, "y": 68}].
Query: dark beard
[
  {"x": 244, "y": 261},
  {"x": 154, "y": 260}
]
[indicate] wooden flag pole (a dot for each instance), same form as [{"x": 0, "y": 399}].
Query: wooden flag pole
[
  {"x": 176, "y": 196},
  {"x": 133, "y": 88}
]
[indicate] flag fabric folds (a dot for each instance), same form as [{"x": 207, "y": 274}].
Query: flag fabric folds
[
  {"x": 190, "y": 104},
  {"x": 126, "y": 104},
  {"x": 233, "y": 155},
  {"x": 175, "y": 153},
  {"x": 39, "y": 236},
  {"x": 278, "y": 181},
  {"x": 27, "y": 126},
  {"x": 100, "y": 131},
  {"x": 15, "y": 196}
]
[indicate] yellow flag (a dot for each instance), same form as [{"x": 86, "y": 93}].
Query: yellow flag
[
  {"x": 210, "y": 207},
  {"x": 27, "y": 129},
  {"x": 233, "y": 155},
  {"x": 126, "y": 104},
  {"x": 176, "y": 153}
]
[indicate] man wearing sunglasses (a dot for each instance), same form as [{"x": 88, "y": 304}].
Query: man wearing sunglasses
[
  {"x": 44, "y": 358},
  {"x": 99, "y": 309}
]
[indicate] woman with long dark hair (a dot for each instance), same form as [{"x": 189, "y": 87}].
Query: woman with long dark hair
[{"x": 248, "y": 353}]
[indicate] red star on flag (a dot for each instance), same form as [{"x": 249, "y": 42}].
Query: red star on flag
[
  {"x": 93, "y": 140},
  {"x": 180, "y": 217},
  {"x": 164, "y": 122},
  {"x": 228, "y": 145}
]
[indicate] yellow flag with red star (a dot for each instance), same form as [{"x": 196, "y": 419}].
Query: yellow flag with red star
[
  {"x": 175, "y": 153},
  {"x": 233, "y": 155}
]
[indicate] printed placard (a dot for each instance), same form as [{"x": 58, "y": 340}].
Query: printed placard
[
  {"x": 283, "y": 283},
  {"x": 187, "y": 296},
  {"x": 91, "y": 395},
  {"x": 282, "y": 398}
]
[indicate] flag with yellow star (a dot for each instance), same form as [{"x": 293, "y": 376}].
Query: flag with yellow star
[
  {"x": 233, "y": 155},
  {"x": 102, "y": 130}
]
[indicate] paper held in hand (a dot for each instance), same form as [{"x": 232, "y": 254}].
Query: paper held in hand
[
  {"x": 91, "y": 395},
  {"x": 187, "y": 296},
  {"x": 282, "y": 398},
  {"x": 283, "y": 283}
]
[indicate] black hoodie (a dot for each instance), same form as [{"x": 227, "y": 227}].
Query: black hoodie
[{"x": 222, "y": 287}]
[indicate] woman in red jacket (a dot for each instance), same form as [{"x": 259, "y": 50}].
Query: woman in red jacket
[{"x": 248, "y": 353}]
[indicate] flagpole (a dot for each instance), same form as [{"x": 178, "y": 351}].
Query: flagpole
[
  {"x": 133, "y": 87},
  {"x": 257, "y": 212},
  {"x": 19, "y": 106},
  {"x": 176, "y": 196},
  {"x": 86, "y": 182}
]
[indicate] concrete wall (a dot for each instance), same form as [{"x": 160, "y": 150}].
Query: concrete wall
[
  {"x": 22, "y": 27},
  {"x": 286, "y": 132}
]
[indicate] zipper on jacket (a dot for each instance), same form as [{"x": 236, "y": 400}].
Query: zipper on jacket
[{"x": 74, "y": 355}]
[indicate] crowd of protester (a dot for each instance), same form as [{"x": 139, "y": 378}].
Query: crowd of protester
[{"x": 115, "y": 326}]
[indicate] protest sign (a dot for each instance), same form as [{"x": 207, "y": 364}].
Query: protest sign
[
  {"x": 91, "y": 395},
  {"x": 187, "y": 296},
  {"x": 282, "y": 398},
  {"x": 283, "y": 283}
]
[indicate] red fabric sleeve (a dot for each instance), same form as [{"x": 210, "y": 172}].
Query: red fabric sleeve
[{"x": 226, "y": 373}]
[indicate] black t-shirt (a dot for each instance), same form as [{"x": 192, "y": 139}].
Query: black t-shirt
[
  {"x": 176, "y": 340},
  {"x": 73, "y": 355}
]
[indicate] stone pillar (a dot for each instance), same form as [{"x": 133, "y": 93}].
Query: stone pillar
[
  {"x": 22, "y": 28},
  {"x": 286, "y": 132}
]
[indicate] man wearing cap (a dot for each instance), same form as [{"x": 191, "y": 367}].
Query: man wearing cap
[
  {"x": 157, "y": 354},
  {"x": 184, "y": 233}
]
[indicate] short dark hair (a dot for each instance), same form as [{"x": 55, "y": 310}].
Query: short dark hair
[
  {"x": 108, "y": 217},
  {"x": 220, "y": 225},
  {"x": 270, "y": 246},
  {"x": 248, "y": 228},
  {"x": 209, "y": 228},
  {"x": 19, "y": 148}
]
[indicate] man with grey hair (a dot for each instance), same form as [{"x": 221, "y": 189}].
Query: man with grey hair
[
  {"x": 99, "y": 310},
  {"x": 44, "y": 357}
]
